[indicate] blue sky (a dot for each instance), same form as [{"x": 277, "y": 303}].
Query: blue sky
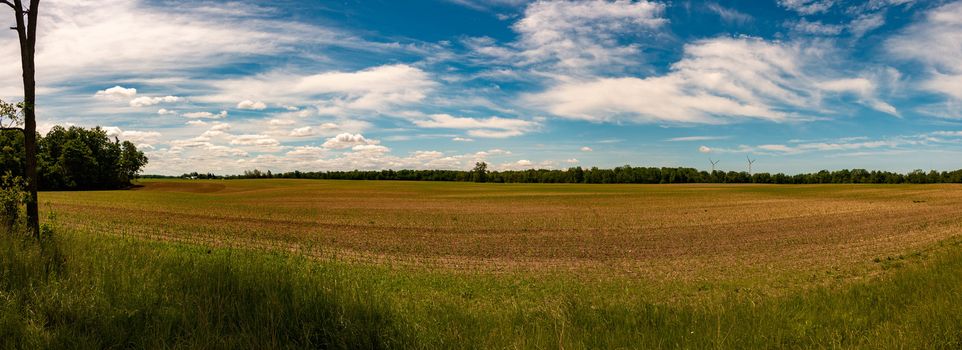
[{"x": 800, "y": 85}]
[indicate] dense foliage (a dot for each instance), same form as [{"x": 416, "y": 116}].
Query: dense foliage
[
  {"x": 623, "y": 174},
  {"x": 75, "y": 158}
]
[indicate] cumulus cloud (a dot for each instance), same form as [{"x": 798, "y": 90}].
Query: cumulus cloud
[
  {"x": 462, "y": 139},
  {"x": 280, "y": 122},
  {"x": 347, "y": 140},
  {"x": 164, "y": 111},
  {"x": 145, "y": 101},
  {"x": 135, "y": 136},
  {"x": 586, "y": 149},
  {"x": 116, "y": 93},
  {"x": 302, "y": 132},
  {"x": 205, "y": 115},
  {"x": 251, "y": 105},
  {"x": 704, "y": 149}
]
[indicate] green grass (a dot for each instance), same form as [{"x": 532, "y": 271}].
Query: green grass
[{"x": 83, "y": 291}]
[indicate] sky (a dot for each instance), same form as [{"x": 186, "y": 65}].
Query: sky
[{"x": 222, "y": 87}]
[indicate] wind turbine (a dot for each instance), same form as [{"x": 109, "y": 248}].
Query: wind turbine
[
  {"x": 713, "y": 162},
  {"x": 750, "y": 162}
]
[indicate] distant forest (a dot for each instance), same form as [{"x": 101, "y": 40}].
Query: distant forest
[{"x": 623, "y": 174}]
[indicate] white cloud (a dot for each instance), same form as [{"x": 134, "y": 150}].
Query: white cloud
[
  {"x": 492, "y": 127},
  {"x": 302, "y": 132},
  {"x": 251, "y": 105},
  {"x": 486, "y": 5},
  {"x": 861, "y": 87},
  {"x": 807, "y": 7},
  {"x": 704, "y": 149},
  {"x": 370, "y": 148},
  {"x": 729, "y": 15},
  {"x": 837, "y": 145},
  {"x": 717, "y": 81},
  {"x": 145, "y": 101},
  {"x": 866, "y": 23},
  {"x": 116, "y": 93},
  {"x": 279, "y": 122},
  {"x": 81, "y": 40},
  {"x": 936, "y": 42},
  {"x": 164, "y": 111},
  {"x": 816, "y": 27},
  {"x": 696, "y": 138},
  {"x": 135, "y": 136},
  {"x": 462, "y": 139},
  {"x": 948, "y": 133},
  {"x": 254, "y": 140},
  {"x": 571, "y": 161},
  {"x": 577, "y": 35},
  {"x": 308, "y": 151},
  {"x": 347, "y": 140},
  {"x": 586, "y": 149},
  {"x": 205, "y": 115},
  {"x": 220, "y": 127},
  {"x": 525, "y": 164},
  {"x": 335, "y": 93},
  {"x": 342, "y": 126}
]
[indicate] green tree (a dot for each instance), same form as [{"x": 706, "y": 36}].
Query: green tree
[
  {"x": 131, "y": 162},
  {"x": 480, "y": 172}
]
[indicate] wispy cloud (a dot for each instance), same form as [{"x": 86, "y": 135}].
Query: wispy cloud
[
  {"x": 717, "y": 81},
  {"x": 729, "y": 15}
]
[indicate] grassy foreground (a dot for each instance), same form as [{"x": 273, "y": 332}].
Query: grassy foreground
[{"x": 85, "y": 291}]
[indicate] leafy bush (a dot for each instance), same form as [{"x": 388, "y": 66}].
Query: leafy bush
[{"x": 12, "y": 197}]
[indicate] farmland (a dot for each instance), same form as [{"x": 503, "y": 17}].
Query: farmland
[
  {"x": 676, "y": 233},
  {"x": 537, "y": 265}
]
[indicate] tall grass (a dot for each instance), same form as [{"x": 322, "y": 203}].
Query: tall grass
[
  {"x": 98, "y": 293},
  {"x": 83, "y": 291}
]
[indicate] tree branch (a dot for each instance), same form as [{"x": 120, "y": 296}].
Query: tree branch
[{"x": 8, "y": 4}]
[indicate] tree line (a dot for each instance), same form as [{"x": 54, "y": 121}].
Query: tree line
[
  {"x": 623, "y": 174},
  {"x": 74, "y": 158}
]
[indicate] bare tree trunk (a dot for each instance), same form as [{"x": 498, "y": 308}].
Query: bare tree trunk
[{"x": 27, "y": 33}]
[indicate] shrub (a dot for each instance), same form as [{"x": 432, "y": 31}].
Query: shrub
[{"x": 12, "y": 198}]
